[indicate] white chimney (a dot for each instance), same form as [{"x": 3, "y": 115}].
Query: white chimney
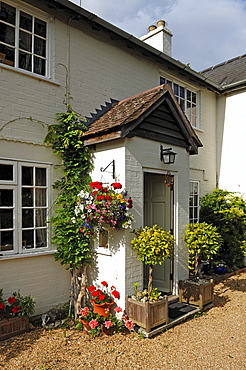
[{"x": 159, "y": 37}]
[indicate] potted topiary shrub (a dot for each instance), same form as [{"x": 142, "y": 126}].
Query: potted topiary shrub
[
  {"x": 153, "y": 246},
  {"x": 203, "y": 241}
]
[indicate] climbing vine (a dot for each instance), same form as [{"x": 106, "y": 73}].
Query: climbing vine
[{"x": 73, "y": 247}]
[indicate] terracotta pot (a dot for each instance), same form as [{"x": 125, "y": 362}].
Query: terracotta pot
[
  {"x": 108, "y": 331},
  {"x": 86, "y": 326},
  {"x": 100, "y": 308}
]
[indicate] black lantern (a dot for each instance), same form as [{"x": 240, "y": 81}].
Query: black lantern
[{"x": 167, "y": 155}]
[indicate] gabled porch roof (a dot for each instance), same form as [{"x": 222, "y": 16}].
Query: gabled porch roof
[{"x": 153, "y": 114}]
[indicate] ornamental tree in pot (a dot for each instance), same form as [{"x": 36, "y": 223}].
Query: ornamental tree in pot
[
  {"x": 153, "y": 246},
  {"x": 202, "y": 240}
]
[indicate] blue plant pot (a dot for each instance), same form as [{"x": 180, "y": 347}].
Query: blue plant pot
[{"x": 220, "y": 270}]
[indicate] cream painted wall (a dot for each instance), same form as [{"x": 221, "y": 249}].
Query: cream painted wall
[
  {"x": 39, "y": 276},
  {"x": 96, "y": 71},
  {"x": 232, "y": 175},
  {"x": 203, "y": 165}
]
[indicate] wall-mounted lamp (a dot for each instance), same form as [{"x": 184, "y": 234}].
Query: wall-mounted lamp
[{"x": 167, "y": 155}]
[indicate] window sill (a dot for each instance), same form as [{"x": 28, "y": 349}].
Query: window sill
[
  {"x": 197, "y": 129},
  {"x": 26, "y": 255},
  {"x": 30, "y": 74}
]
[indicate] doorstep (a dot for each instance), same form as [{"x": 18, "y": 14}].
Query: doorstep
[{"x": 178, "y": 312}]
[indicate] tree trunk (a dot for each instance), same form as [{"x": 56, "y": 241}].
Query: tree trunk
[
  {"x": 78, "y": 287},
  {"x": 150, "y": 280}
]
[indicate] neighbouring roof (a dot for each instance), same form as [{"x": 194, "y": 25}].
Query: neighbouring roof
[
  {"x": 232, "y": 71},
  {"x": 153, "y": 114}
]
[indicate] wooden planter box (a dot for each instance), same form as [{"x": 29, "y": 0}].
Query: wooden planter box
[
  {"x": 147, "y": 315},
  {"x": 196, "y": 294},
  {"x": 14, "y": 326}
]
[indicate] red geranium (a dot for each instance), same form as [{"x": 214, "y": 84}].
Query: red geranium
[
  {"x": 12, "y": 300},
  {"x": 101, "y": 297},
  {"x": 116, "y": 294},
  {"x": 104, "y": 283},
  {"x": 2, "y": 306},
  {"x": 91, "y": 288},
  {"x": 16, "y": 309},
  {"x": 116, "y": 185}
]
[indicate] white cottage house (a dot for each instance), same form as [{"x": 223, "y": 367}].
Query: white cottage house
[{"x": 51, "y": 51}]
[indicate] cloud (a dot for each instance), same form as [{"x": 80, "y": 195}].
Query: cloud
[{"x": 205, "y": 32}]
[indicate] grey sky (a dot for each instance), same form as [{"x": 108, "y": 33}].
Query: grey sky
[{"x": 205, "y": 32}]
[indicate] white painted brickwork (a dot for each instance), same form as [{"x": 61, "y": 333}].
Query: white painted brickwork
[{"x": 97, "y": 72}]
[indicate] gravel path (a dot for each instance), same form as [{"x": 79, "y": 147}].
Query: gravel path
[{"x": 215, "y": 340}]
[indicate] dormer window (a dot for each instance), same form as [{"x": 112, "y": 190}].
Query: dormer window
[{"x": 23, "y": 39}]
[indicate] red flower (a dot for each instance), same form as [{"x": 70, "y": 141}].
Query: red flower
[
  {"x": 100, "y": 197},
  {"x": 101, "y": 297},
  {"x": 129, "y": 201},
  {"x": 16, "y": 309},
  {"x": 12, "y": 300},
  {"x": 2, "y": 306},
  {"x": 116, "y": 185},
  {"x": 91, "y": 288},
  {"x": 96, "y": 185},
  {"x": 94, "y": 192},
  {"x": 116, "y": 294},
  {"x": 104, "y": 283},
  {"x": 95, "y": 293}
]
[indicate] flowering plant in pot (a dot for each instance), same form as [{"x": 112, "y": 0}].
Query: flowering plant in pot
[
  {"x": 94, "y": 324},
  {"x": 103, "y": 298},
  {"x": 16, "y": 305},
  {"x": 104, "y": 206}
]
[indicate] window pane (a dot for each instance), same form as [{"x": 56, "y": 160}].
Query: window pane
[
  {"x": 27, "y": 218},
  {"x": 27, "y": 175},
  {"x": 39, "y": 46},
  {"x": 27, "y": 239},
  {"x": 189, "y": 95},
  {"x": 40, "y": 176},
  {"x": 7, "y": 34},
  {"x": 40, "y": 27},
  {"x": 26, "y": 21},
  {"x": 6, "y": 172},
  {"x": 39, "y": 66},
  {"x": 25, "y": 41},
  {"x": 27, "y": 197},
  {"x": 40, "y": 197},
  {"x": 176, "y": 90},
  {"x": 182, "y": 104},
  {"x": 6, "y": 240},
  {"x": 182, "y": 92},
  {"x": 7, "y": 13},
  {"x": 25, "y": 61},
  {"x": 6, "y": 218},
  {"x": 40, "y": 217},
  {"x": 6, "y": 197},
  {"x": 7, "y": 55},
  {"x": 41, "y": 238}
]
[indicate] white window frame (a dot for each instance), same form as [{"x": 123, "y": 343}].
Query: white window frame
[
  {"x": 45, "y": 18},
  {"x": 195, "y": 205},
  {"x": 17, "y": 206},
  {"x": 193, "y": 118}
]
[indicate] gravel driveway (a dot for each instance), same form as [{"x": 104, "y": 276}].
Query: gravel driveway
[{"x": 215, "y": 340}]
